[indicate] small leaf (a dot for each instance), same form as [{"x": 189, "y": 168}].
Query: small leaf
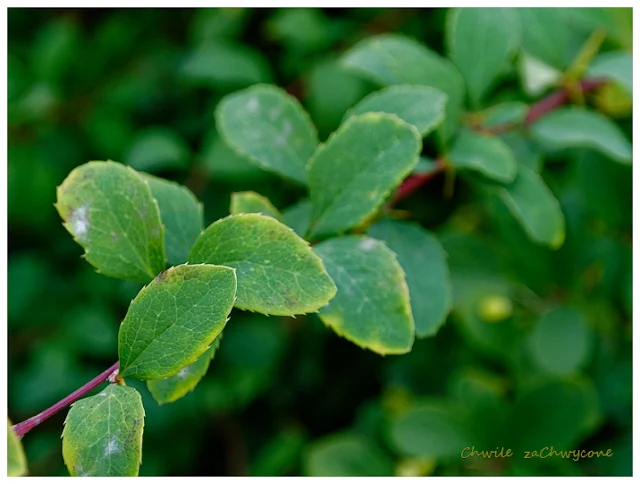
[
  {"x": 394, "y": 59},
  {"x": 572, "y": 127},
  {"x": 270, "y": 127},
  {"x": 109, "y": 210},
  {"x": 536, "y": 76},
  {"x": 181, "y": 214},
  {"x": 225, "y": 65},
  {"x": 157, "y": 149},
  {"x": 486, "y": 154},
  {"x": 226, "y": 165},
  {"x": 177, "y": 386},
  {"x": 536, "y": 208},
  {"x": 277, "y": 271},
  {"x": 361, "y": 163},
  {"x": 425, "y": 166},
  {"x": 346, "y": 455},
  {"x": 103, "y": 434},
  {"x": 430, "y": 430},
  {"x": 567, "y": 411},
  {"x": 298, "y": 217},
  {"x": 174, "y": 319},
  {"x": 16, "y": 460},
  {"x": 525, "y": 151},
  {"x": 561, "y": 342},
  {"x": 481, "y": 43},
  {"x": 252, "y": 202},
  {"x": 508, "y": 113},
  {"x": 421, "y": 106},
  {"x": 424, "y": 262},
  {"x": 617, "y": 66},
  {"x": 372, "y": 306}
]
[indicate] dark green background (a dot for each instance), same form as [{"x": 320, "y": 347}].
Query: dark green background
[{"x": 101, "y": 84}]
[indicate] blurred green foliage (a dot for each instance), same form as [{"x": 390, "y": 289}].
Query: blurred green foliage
[{"x": 536, "y": 352}]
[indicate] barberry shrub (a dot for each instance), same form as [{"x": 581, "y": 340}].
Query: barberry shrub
[{"x": 347, "y": 254}]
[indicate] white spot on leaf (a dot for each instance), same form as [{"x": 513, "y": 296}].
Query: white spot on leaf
[
  {"x": 183, "y": 373},
  {"x": 112, "y": 448},
  {"x": 252, "y": 105},
  {"x": 367, "y": 244},
  {"x": 79, "y": 221}
]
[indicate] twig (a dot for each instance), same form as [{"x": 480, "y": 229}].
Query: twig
[
  {"x": 23, "y": 427},
  {"x": 413, "y": 182}
]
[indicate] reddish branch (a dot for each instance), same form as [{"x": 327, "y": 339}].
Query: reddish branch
[
  {"x": 536, "y": 110},
  {"x": 23, "y": 427}
]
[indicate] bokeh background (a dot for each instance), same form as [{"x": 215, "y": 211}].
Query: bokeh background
[{"x": 140, "y": 87}]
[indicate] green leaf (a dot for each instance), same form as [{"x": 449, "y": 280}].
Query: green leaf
[
  {"x": 486, "y": 154},
  {"x": 572, "y": 127},
  {"x": 177, "y": 386},
  {"x": 430, "y": 430},
  {"x": 481, "y": 43},
  {"x": 174, "y": 319},
  {"x": 548, "y": 35},
  {"x": 277, "y": 271},
  {"x": 252, "y": 202},
  {"x": 301, "y": 29},
  {"x": 298, "y": 217},
  {"x": 181, "y": 214},
  {"x": 103, "y": 434},
  {"x": 109, "y": 210},
  {"x": 361, "y": 163},
  {"x": 269, "y": 127},
  {"x": 507, "y": 113},
  {"x": 421, "y": 106},
  {"x": 424, "y": 262},
  {"x": 565, "y": 412},
  {"x": 616, "y": 65},
  {"x": 225, "y": 65},
  {"x": 525, "y": 151},
  {"x": 346, "y": 455},
  {"x": 536, "y": 208},
  {"x": 561, "y": 342},
  {"x": 16, "y": 460},
  {"x": 536, "y": 76},
  {"x": 372, "y": 306},
  {"x": 157, "y": 149},
  {"x": 425, "y": 166},
  {"x": 226, "y": 165},
  {"x": 394, "y": 59}
]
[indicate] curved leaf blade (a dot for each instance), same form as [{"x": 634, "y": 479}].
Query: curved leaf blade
[
  {"x": 371, "y": 308},
  {"x": 277, "y": 271},
  {"x": 424, "y": 262},
  {"x": 361, "y": 163},
  {"x": 252, "y": 202},
  {"x": 421, "y": 106},
  {"x": 181, "y": 214},
  {"x": 270, "y": 128},
  {"x": 16, "y": 460},
  {"x": 486, "y": 154},
  {"x": 174, "y": 319},
  {"x": 573, "y": 127},
  {"x": 103, "y": 434},
  {"x": 346, "y": 455},
  {"x": 109, "y": 210}
]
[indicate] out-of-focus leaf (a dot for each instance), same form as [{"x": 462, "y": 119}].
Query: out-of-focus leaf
[
  {"x": 280, "y": 455},
  {"x": 481, "y": 42},
  {"x": 421, "y": 106},
  {"x": 524, "y": 150},
  {"x": 209, "y": 25},
  {"x": 269, "y": 127},
  {"x": 561, "y": 342},
  {"x": 181, "y": 214},
  {"x": 298, "y": 217},
  {"x": 425, "y": 266},
  {"x": 507, "y": 113},
  {"x": 252, "y": 202},
  {"x": 225, "y": 164},
  {"x": 157, "y": 149},
  {"x": 300, "y": 29},
  {"x": 394, "y": 59},
  {"x": 616, "y": 65},
  {"x": 54, "y": 49},
  {"x": 225, "y": 66},
  {"x": 536, "y": 76},
  {"x": 486, "y": 154},
  {"x": 346, "y": 455},
  {"x": 578, "y": 127}
]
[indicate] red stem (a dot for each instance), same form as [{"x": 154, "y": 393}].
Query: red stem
[
  {"x": 536, "y": 110},
  {"x": 23, "y": 427}
]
